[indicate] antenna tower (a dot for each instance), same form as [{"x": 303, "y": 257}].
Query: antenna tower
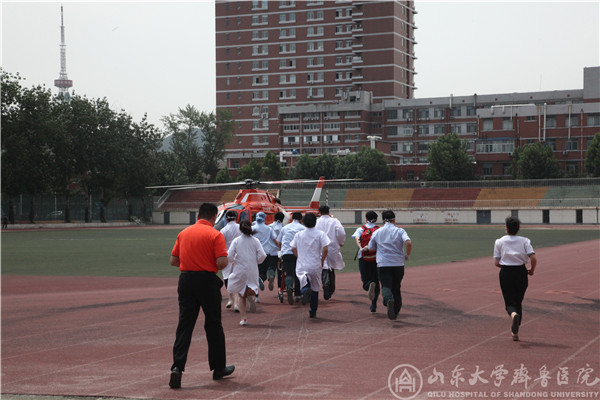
[{"x": 63, "y": 83}]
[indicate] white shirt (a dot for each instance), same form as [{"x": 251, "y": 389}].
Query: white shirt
[
  {"x": 359, "y": 232},
  {"x": 389, "y": 243},
  {"x": 276, "y": 226},
  {"x": 230, "y": 231},
  {"x": 265, "y": 235},
  {"x": 245, "y": 254},
  {"x": 309, "y": 244},
  {"x": 513, "y": 250},
  {"x": 334, "y": 230},
  {"x": 286, "y": 235}
]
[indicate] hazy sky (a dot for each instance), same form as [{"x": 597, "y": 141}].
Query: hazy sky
[{"x": 155, "y": 57}]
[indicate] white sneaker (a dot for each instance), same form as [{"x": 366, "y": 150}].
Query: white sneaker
[
  {"x": 236, "y": 308},
  {"x": 229, "y": 304},
  {"x": 244, "y": 322},
  {"x": 252, "y": 304},
  {"x": 256, "y": 299}
]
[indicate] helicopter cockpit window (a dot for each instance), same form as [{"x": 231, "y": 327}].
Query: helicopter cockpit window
[
  {"x": 221, "y": 221},
  {"x": 244, "y": 215}
]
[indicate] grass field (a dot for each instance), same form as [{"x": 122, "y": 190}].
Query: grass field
[{"x": 145, "y": 252}]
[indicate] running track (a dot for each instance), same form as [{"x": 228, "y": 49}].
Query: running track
[{"x": 112, "y": 337}]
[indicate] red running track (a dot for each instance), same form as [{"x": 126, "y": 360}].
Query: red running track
[{"x": 112, "y": 337}]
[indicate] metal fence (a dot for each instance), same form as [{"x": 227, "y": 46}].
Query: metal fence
[{"x": 52, "y": 207}]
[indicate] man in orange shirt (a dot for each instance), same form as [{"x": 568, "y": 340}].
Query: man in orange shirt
[{"x": 199, "y": 253}]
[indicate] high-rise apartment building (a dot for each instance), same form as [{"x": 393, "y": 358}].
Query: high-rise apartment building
[{"x": 272, "y": 54}]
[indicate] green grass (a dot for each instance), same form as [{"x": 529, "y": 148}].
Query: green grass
[{"x": 145, "y": 252}]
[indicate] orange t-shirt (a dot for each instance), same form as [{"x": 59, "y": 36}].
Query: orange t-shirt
[{"x": 198, "y": 247}]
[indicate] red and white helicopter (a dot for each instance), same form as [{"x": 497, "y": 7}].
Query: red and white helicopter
[{"x": 250, "y": 200}]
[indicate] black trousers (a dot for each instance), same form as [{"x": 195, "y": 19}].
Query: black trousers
[
  {"x": 391, "y": 280},
  {"x": 513, "y": 282},
  {"x": 288, "y": 263},
  {"x": 269, "y": 264},
  {"x": 199, "y": 290},
  {"x": 368, "y": 274}
]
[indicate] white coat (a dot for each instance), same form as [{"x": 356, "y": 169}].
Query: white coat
[
  {"x": 230, "y": 231},
  {"x": 309, "y": 245},
  {"x": 245, "y": 254},
  {"x": 337, "y": 235}
]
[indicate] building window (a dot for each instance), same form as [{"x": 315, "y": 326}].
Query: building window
[
  {"x": 423, "y": 113},
  {"x": 488, "y": 169},
  {"x": 471, "y": 111},
  {"x": 495, "y": 146},
  {"x": 407, "y": 115},
  {"x": 488, "y": 124},
  {"x": 571, "y": 122},
  {"x": 438, "y": 113},
  {"x": 471, "y": 127},
  {"x": 507, "y": 124},
  {"x": 572, "y": 144},
  {"x": 456, "y": 128},
  {"x": 593, "y": 119},
  {"x": 455, "y": 111},
  {"x": 551, "y": 122}
]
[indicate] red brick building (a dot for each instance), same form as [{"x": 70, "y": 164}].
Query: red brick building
[
  {"x": 310, "y": 77},
  {"x": 277, "y": 53}
]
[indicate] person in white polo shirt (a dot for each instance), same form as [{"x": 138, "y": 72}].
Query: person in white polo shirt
[
  {"x": 511, "y": 254},
  {"x": 389, "y": 242}
]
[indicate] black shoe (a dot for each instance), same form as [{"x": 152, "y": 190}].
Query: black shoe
[
  {"x": 326, "y": 293},
  {"x": 373, "y": 308},
  {"x": 261, "y": 284},
  {"x": 312, "y": 314},
  {"x": 306, "y": 296},
  {"x": 290, "y": 296},
  {"x": 175, "y": 381},
  {"x": 228, "y": 370},
  {"x": 391, "y": 313}
]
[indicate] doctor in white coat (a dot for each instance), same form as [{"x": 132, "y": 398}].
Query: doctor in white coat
[{"x": 336, "y": 233}]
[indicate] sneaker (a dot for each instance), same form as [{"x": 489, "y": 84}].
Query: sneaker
[
  {"x": 252, "y": 304},
  {"x": 306, "y": 296},
  {"x": 261, "y": 284},
  {"x": 515, "y": 337},
  {"x": 372, "y": 286},
  {"x": 257, "y": 299},
  {"x": 229, "y": 304},
  {"x": 373, "y": 308},
  {"x": 236, "y": 308},
  {"x": 312, "y": 314},
  {"x": 391, "y": 313},
  {"x": 175, "y": 381},
  {"x": 290, "y": 296},
  {"x": 244, "y": 322},
  {"x": 298, "y": 299},
  {"x": 516, "y": 320}
]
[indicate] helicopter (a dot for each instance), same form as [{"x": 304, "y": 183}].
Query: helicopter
[{"x": 250, "y": 200}]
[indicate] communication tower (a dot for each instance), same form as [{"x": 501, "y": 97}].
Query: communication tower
[{"x": 63, "y": 83}]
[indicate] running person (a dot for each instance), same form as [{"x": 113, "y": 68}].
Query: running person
[
  {"x": 511, "y": 254},
  {"x": 367, "y": 264},
  {"x": 334, "y": 230}
]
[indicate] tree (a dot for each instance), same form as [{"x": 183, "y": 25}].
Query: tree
[
  {"x": 252, "y": 170},
  {"x": 448, "y": 160},
  {"x": 536, "y": 161},
  {"x": 217, "y": 131},
  {"x": 170, "y": 170},
  {"x": 25, "y": 154},
  {"x": 304, "y": 168},
  {"x": 272, "y": 167},
  {"x": 592, "y": 156},
  {"x": 185, "y": 130},
  {"x": 223, "y": 176},
  {"x": 372, "y": 166},
  {"x": 325, "y": 166}
]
